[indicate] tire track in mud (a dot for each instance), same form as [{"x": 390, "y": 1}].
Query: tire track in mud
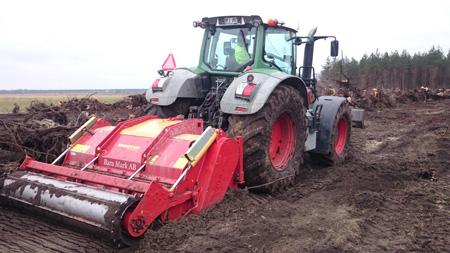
[
  {"x": 413, "y": 155},
  {"x": 22, "y": 233}
]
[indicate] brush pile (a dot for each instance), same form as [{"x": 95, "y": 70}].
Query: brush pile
[
  {"x": 380, "y": 98},
  {"x": 42, "y": 132}
]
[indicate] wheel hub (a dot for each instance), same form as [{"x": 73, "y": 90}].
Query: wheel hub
[
  {"x": 341, "y": 139},
  {"x": 282, "y": 141}
]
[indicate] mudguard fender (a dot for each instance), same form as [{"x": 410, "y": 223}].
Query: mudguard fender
[
  {"x": 330, "y": 106},
  {"x": 265, "y": 84},
  {"x": 183, "y": 83}
]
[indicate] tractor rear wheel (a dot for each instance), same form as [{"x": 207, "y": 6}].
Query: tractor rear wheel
[
  {"x": 340, "y": 139},
  {"x": 274, "y": 140}
]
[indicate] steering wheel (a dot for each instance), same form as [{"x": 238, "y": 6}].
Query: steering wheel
[{"x": 275, "y": 56}]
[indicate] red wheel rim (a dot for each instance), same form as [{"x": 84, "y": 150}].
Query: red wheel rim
[
  {"x": 282, "y": 141},
  {"x": 341, "y": 139}
]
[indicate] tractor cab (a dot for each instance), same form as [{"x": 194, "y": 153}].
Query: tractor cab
[
  {"x": 234, "y": 45},
  {"x": 241, "y": 43}
]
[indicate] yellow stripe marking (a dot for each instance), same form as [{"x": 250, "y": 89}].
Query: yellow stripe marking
[
  {"x": 154, "y": 159},
  {"x": 150, "y": 128},
  {"x": 180, "y": 163},
  {"x": 129, "y": 147},
  {"x": 80, "y": 148},
  {"x": 187, "y": 137}
]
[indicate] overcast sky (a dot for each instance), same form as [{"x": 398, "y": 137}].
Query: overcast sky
[{"x": 121, "y": 44}]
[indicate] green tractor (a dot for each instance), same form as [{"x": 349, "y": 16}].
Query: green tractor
[{"x": 247, "y": 83}]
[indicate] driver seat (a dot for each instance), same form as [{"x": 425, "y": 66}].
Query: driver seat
[{"x": 230, "y": 61}]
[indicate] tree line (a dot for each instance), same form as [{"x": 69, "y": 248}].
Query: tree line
[{"x": 391, "y": 70}]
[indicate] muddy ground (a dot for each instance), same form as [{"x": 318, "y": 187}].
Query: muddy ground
[{"x": 392, "y": 194}]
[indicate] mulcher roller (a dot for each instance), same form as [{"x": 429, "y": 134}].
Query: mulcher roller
[
  {"x": 119, "y": 179},
  {"x": 95, "y": 206}
]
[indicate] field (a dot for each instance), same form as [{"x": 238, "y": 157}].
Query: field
[
  {"x": 391, "y": 195},
  {"x": 7, "y": 101}
]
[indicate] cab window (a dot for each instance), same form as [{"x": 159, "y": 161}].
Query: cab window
[
  {"x": 279, "y": 50},
  {"x": 229, "y": 48}
]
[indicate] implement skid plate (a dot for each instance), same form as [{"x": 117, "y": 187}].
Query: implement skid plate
[{"x": 121, "y": 176}]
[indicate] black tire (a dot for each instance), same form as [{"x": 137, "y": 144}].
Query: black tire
[
  {"x": 179, "y": 107},
  {"x": 342, "y": 129},
  {"x": 262, "y": 172}
]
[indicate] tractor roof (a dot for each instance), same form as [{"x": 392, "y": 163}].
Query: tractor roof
[
  {"x": 232, "y": 20},
  {"x": 222, "y": 21}
]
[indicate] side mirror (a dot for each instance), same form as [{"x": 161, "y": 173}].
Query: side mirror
[{"x": 334, "y": 48}]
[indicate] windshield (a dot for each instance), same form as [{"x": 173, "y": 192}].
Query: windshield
[
  {"x": 229, "y": 49},
  {"x": 279, "y": 50}
]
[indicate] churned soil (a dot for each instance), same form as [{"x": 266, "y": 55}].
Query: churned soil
[{"x": 392, "y": 194}]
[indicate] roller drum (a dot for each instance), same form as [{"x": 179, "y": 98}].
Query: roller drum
[{"x": 98, "y": 207}]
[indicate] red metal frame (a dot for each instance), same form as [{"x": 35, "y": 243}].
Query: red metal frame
[
  {"x": 204, "y": 184},
  {"x": 84, "y": 176},
  {"x": 184, "y": 127},
  {"x": 238, "y": 177},
  {"x": 121, "y": 126}
]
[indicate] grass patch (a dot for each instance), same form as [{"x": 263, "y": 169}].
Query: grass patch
[{"x": 7, "y": 101}]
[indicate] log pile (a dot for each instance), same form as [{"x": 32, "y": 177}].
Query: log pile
[{"x": 380, "y": 98}]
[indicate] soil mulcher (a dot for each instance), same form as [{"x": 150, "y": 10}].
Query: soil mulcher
[
  {"x": 121, "y": 178},
  {"x": 179, "y": 160}
]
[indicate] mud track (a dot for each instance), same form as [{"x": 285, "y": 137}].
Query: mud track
[
  {"x": 21, "y": 233},
  {"x": 393, "y": 195}
]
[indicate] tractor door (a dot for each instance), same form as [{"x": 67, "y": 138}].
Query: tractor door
[{"x": 279, "y": 49}]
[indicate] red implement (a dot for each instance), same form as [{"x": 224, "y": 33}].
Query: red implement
[{"x": 121, "y": 178}]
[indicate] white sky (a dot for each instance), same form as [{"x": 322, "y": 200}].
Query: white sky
[{"x": 121, "y": 44}]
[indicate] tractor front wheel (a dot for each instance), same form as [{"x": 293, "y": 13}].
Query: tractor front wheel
[
  {"x": 274, "y": 140},
  {"x": 340, "y": 139}
]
